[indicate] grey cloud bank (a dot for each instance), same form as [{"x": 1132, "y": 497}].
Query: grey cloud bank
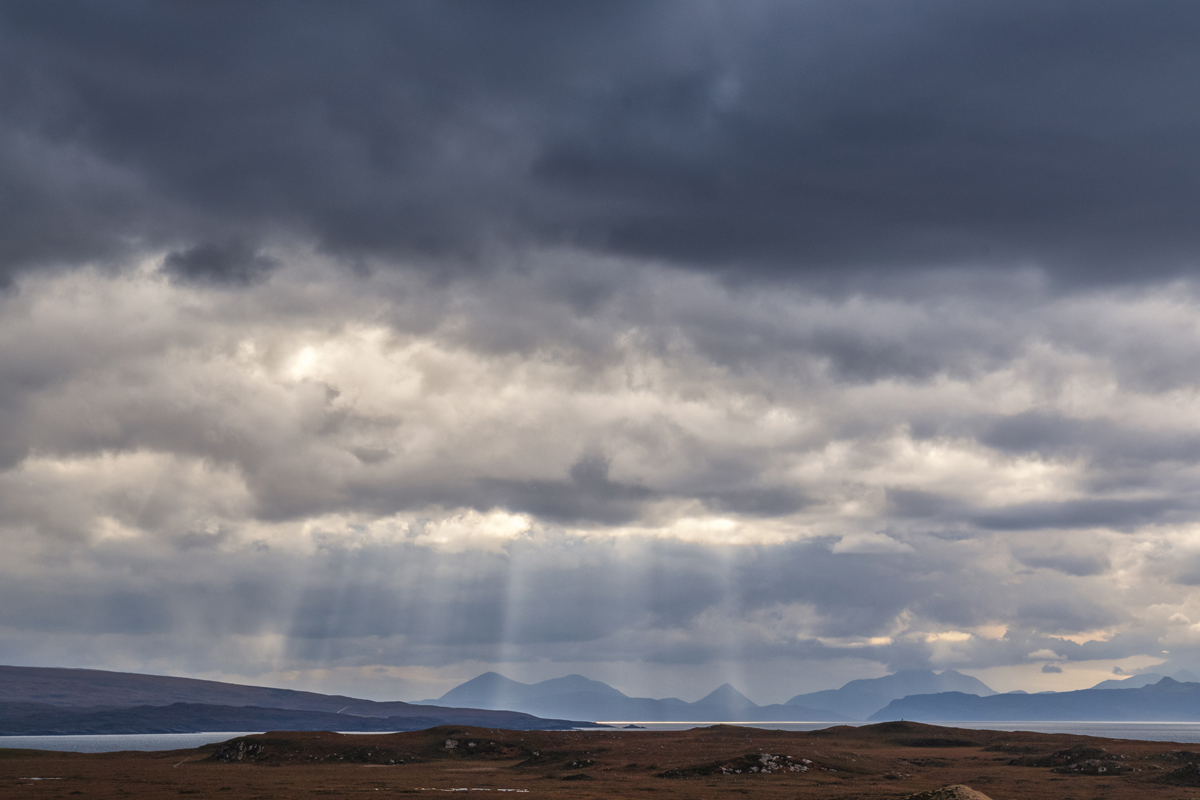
[
  {"x": 660, "y": 342},
  {"x": 318, "y": 472},
  {"x": 760, "y": 138}
]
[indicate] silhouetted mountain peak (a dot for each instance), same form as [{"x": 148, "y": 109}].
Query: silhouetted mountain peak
[
  {"x": 1168, "y": 700},
  {"x": 860, "y": 698},
  {"x": 489, "y": 690},
  {"x": 488, "y": 679},
  {"x": 1132, "y": 682},
  {"x": 578, "y": 697},
  {"x": 728, "y": 697},
  {"x": 493, "y": 690},
  {"x": 576, "y": 683}
]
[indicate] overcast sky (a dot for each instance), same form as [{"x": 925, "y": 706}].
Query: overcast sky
[{"x": 364, "y": 347}]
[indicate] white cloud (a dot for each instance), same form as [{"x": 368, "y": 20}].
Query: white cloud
[{"x": 310, "y": 415}]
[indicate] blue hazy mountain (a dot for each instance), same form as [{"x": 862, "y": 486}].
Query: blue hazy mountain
[
  {"x": 728, "y": 698},
  {"x": 859, "y": 699},
  {"x": 1168, "y": 700},
  {"x": 1145, "y": 679},
  {"x": 575, "y": 694},
  {"x": 493, "y": 690}
]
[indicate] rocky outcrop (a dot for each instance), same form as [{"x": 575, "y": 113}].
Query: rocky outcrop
[{"x": 957, "y": 791}]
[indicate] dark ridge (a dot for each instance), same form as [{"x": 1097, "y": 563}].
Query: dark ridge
[{"x": 34, "y": 700}]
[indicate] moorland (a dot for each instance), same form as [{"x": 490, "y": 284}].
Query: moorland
[{"x": 887, "y": 760}]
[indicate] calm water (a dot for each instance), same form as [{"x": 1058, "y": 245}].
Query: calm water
[
  {"x": 115, "y": 742},
  {"x": 1182, "y": 732}
]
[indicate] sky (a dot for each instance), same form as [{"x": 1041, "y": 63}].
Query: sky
[{"x": 365, "y": 347}]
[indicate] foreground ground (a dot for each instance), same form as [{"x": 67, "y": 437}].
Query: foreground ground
[{"x": 889, "y": 760}]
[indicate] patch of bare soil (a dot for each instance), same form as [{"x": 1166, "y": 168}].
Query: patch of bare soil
[{"x": 957, "y": 792}]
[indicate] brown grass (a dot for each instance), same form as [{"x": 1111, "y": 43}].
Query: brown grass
[{"x": 891, "y": 760}]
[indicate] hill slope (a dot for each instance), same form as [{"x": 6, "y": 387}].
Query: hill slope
[
  {"x": 81, "y": 689},
  {"x": 1145, "y": 679},
  {"x": 860, "y": 698},
  {"x": 1165, "y": 701},
  {"x": 39, "y": 719}
]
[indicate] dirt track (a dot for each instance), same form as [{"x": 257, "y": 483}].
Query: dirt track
[{"x": 891, "y": 760}]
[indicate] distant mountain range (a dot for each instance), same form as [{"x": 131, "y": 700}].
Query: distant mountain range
[
  {"x": 1168, "y": 700},
  {"x": 577, "y": 696},
  {"x": 45, "y": 700},
  {"x": 909, "y": 694},
  {"x": 861, "y": 698},
  {"x": 1145, "y": 679}
]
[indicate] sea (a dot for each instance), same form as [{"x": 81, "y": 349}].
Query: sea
[
  {"x": 116, "y": 742},
  {"x": 1179, "y": 732}
]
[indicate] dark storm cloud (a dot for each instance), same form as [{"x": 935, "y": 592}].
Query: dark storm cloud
[
  {"x": 763, "y": 136},
  {"x": 588, "y": 494},
  {"x": 243, "y": 600},
  {"x": 1107, "y": 441},
  {"x": 915, "y": 504},
  {"x": 1115, "y": 514},
  {"x": 1079, "y": 564},
  {"x": 230, "y": 263},
  {"x": 435, "y": 333},
  {"x": 768, "y": 501},
  {"x": 537, "y": 596},
  {"x": 1099, "y": 512}
]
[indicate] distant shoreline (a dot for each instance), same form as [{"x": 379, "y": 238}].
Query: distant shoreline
[{"x": 1152, "y": 730}]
